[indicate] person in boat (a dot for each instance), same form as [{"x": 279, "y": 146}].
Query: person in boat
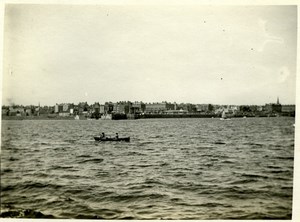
[
  {"x": 117, "y": 136},
  {"x": 103, "y": 136}
]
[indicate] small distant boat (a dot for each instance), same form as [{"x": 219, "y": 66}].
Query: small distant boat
[
  {"x": 125, "y": 139},
  {"x": 76, "y": 117},
  {"x": 224, "y": 117}
]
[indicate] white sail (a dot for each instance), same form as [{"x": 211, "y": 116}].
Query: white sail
[{"x": 224, "y": 114}]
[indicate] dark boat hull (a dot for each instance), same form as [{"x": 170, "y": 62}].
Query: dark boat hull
[{"x": 98, "y": 138}]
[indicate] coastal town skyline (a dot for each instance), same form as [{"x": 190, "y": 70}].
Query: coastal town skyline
[
  {"x": 136, "y": 110},
  {"x": 206, "y": 54},
  {"x": 41, "y": 103}
]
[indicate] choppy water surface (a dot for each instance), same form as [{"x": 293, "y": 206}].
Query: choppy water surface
[{"x": 171, "y": 169}]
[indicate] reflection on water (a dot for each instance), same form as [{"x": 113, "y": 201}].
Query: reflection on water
[{"x": 171, "y": 169}]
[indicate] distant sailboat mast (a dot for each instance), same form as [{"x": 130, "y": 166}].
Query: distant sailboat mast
[{"x": 223, "y": 114}]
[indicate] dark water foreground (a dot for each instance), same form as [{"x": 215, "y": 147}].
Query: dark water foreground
[{"x": 171, "y": 169}]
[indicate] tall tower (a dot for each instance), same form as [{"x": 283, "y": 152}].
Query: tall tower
[{"x": 278, "y": 100}]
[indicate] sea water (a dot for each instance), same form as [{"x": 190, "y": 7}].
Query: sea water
[{"x": 171, "y": 169}]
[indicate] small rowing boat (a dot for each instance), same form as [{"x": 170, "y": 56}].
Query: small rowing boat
[{"x": 98, "y": 138}]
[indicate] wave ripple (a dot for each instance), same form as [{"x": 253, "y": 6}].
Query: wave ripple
[{"x": 172, "y": 169}]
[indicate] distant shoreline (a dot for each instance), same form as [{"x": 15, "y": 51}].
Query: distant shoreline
[
  {"x": 147, "y": 116},
  {"x": 36, "y": 118}
]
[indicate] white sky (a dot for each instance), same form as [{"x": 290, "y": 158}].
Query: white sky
[{"x": 198, "y": 54}]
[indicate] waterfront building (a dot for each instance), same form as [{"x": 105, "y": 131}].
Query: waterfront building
[
  {"x": 288, "y": 108},
  {"x": 156, "y": 108},
  {"x": 229, "y": 110},
  {"x": 182, "y": 106},
  {"x": 37, "y": 111},
  {"x": 109, "y": 107},
  {"x": 119, "y": 107},
  {"x": 191, "y": 108},
  {"x": 16, "y": 111},
  {"x": 138, "y": 107},
  {"x": 60, "y": 108},
  {"x": 5, "y": 111},
  {"x": 28, "y": 112},
  {"x": 51, "y": 109},
  {"x": 273, "y": 108},
  {"x": 220, "y": 108},
  {"x": 64, "y": 109},
  {"x": 102, "y": 109},
  {"x": 276, "y": 108},
  {"x": 260, "y": 108},
  {"x": 232, "y": 110},
  {"x": 56, "y": 108},
  {"x": 44, "y": 110},
  {"x": 96, "y": 108},
  {"x": 83, "y": 108},
  {"x": 202, "y": 108},
  {"x": 244, "y": 109},
  {"x": 12, "y": 111},
  {"x": 75, "y": 107},
  {"x": 171, "y": 106}
]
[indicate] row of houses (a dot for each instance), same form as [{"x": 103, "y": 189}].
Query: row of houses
[
  {"x": 127, "y": 107},
  {"x": 26, "y": 110}
]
